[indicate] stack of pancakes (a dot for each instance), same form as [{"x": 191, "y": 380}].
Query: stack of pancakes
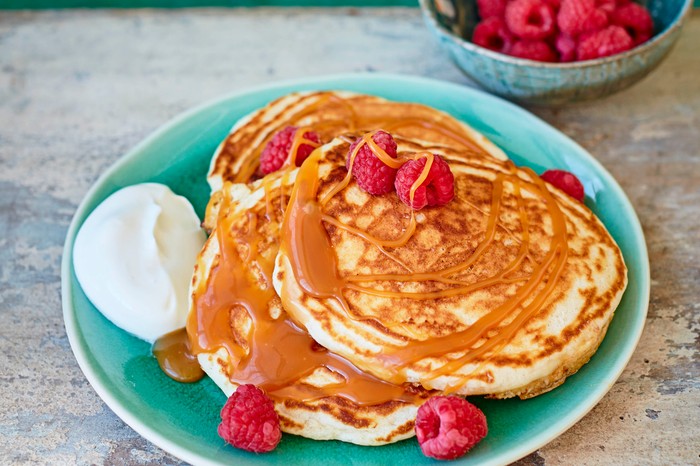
[{"x": 350, "y": 310}]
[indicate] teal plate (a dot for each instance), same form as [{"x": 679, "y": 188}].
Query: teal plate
[{"x": 182, "y": 418}]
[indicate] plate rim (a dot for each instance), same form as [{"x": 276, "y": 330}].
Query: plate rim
[{"x": 555, "y": 429}]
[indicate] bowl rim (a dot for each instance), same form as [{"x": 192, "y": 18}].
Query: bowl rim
[{"x": 429, "y": 15}]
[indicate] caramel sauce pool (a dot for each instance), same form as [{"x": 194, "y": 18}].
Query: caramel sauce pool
[{"x": 175, "y": 357}]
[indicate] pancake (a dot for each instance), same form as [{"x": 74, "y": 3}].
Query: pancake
[
  {"x": 241, "y": 334},
  {"x": 505, "y": 291},
  {"x": 330, "y": 398},
  {"x": 331, "y": 114},
  {"x": 350, "y": 348}
]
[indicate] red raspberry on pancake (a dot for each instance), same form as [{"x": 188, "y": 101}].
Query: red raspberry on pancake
[{"x": 436, "y": 190}]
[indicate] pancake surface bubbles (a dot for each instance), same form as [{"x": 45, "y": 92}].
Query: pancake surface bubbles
[{"x": 505, "y": 291}]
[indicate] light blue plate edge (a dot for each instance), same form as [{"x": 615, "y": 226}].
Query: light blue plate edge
[{"x": 356, "y": 82}]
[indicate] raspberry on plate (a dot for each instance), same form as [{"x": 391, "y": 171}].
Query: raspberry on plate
[
  {"x": 437, "y": 189},
  {"x": 276, "y": 151},
  {"x": 566, "y": 181},
  {"x": 493, "y": 34},
  {"x": 249, "y": 420},
  {"x": 636, "y": 20},
  {"x": 530, "y": 19},
  {"x": 371, "y": 174},
  {"x": 449, "y": 426},
  {"x": 603, "y": 43},
  {"x": 534, "y": 50}
]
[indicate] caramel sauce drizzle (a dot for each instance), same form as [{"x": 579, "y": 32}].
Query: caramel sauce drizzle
[
  {"x": 317, "y": 273},
  {"x": 252, "y": 161},
  {"x": 297, "y": 141},
  {"x": 279, "y": 353},
  {"x": 314, "y": 104},
  {"x": 462, "y": 139}
]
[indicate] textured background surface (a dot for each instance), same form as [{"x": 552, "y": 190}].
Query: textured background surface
[{"x": 78, "y": 89}]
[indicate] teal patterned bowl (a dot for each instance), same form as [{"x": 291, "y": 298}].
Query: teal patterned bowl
[{"x": 541, "y": 83}]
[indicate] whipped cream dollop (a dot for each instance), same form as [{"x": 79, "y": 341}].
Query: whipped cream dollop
[{"x": 134, "y": 257}]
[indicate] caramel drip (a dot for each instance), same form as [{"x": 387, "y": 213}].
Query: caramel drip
[
  {"x": 303, "y": 225},
  {"x": 381, "y": 245},
  {"x": 267, "y": 187},
  {"x": 458, "y": 291},
  {"x": 284, "y": 182},
  {"x": 462, "y": 139},
  {"x": 367, "y": 139},
  {"x": 297, "y": 141},
  {"x": 252, "y": 159},
  {"x": 378, "y": 151},
  {"x": 175, "y": 357},
  {"x": 279, "y": 353},
  {"x": 441, "y": 275},
  {"x": 313, "y": 264},
  {"x": 423, "y": 175},
  {"x": 267, "y": 362},
  {"x": 546, "y": 273}
]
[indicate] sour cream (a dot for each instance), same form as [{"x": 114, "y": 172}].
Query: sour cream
[{"x": 134, "y": 258}]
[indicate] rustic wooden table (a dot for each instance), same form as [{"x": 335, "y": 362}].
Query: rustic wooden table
[{"x": 79, "y": 88}]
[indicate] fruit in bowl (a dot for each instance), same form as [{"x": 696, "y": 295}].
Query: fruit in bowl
[
  {"x": 555, "y": 52},
  {"x": 561, "y": 31}
]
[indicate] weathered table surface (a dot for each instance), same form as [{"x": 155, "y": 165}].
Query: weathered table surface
[{"x": 79, "y": 88}]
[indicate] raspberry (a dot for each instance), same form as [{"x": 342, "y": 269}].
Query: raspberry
[
  {"x": 530, "y": 19},
  {"x": 488, "y": 8},
  {"x": 578, "y": 16},
  {"x": 555, "y": 4},
  {"x": 604, "y": 43},
  {"x": 597, "y": 20},
  {"x": 608, "y": 6},
  {"x": 566, "y": 46},
  {"x": 277, "y": 149},
  {"x": 636, "y": 20},
  {"x": 448, "y": 426},
  {"x": 437, "y": 189},
  {"x": 534, "y": 50},
  {"x": 371, "y": 174},
  {"x": 493, "y": 34},
  {"x": 249, "y": 420},
  {"x": 567, "y": 182}
]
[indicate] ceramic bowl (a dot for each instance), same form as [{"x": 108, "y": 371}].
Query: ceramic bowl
[{"x": 539, "y": 83}]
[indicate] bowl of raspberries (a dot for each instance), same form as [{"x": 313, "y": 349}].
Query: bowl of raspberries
[{"x": 554, "y": 52}]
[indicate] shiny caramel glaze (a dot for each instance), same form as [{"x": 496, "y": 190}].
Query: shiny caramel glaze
[
  {"x": 495, "y": 293},
  {"x": 175, "y": 357},
  {"x": 329, "y": 114},
  {"x": 450, "y": 298},
  {"x": 242, "y": 334}
]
